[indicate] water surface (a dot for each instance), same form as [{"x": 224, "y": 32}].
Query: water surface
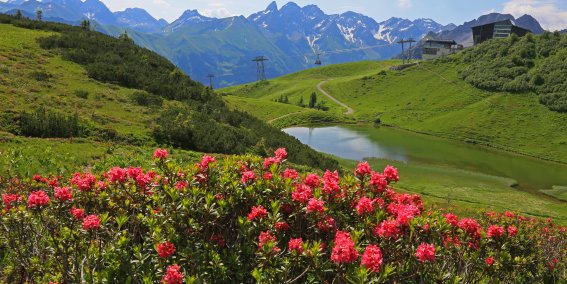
[{"x": 357, "y": 142}]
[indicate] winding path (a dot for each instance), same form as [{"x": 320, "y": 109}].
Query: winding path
[
  {"x": 319, "y": 87},
  {"x": 349, "y": 109}
]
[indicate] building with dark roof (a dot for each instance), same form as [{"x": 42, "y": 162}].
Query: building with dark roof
[
  {"x": 434, "y": 48},
  {"x": 501, "y": 29}
]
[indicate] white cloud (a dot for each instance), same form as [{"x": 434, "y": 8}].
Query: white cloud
[
  {"x": 404, "y": 4},
  {"x": 217, "y": 10},
  {"x": 161, "y": 2},
  {"x": 546, "y": 12},
  {"x": 220, "y": 12}
]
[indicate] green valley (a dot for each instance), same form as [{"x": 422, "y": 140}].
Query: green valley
[
  {"x": 431, "y": 98},
  {"x": 428, "y": 98}
]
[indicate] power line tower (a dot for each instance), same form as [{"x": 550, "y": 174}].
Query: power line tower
[
  {"x": 261, "y": 72},
  {"x": 411, "y": 40},
  {"x": 402, "y": 41},
  {"x": 211, "y": 76}
]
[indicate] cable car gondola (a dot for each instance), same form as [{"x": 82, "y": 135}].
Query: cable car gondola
[{"x": 318, "y": 60}]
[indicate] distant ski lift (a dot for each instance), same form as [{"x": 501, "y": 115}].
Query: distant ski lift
[{"x": 318, "y": 60}]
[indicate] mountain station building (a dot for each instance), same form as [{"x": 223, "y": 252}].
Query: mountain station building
[
  {"x": 435, "y": 48},
  {"x": 501, "y": 29}
]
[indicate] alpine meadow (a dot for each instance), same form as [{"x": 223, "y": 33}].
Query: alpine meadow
[{"x": 286, "y": 146}]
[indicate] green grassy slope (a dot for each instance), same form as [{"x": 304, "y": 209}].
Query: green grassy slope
[
  {"x": 106, "y": 106},
  {"x": 430, "y": 98}
]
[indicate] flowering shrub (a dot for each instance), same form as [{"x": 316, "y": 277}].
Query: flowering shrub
[{"x": 248, "y": 219}]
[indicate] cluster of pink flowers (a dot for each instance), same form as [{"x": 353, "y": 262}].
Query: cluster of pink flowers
[
  {"x": 63, "y": 194},
  {"x": 331, "y": 182},
  {"x": 165, "y": 249},
  {"x": 512, "y": 231},
  {"x": 91, "y": 222},
  {"x": 10, "y": 199},
  {"x": 38, "y": 199},
  {"x": 471, "y": 227},
  {"x": 296, "y": 245},
  {"x": 404, "y": 208},
  {"x": 248, "y": 176},
  {"x": 315, "y": 205},
  {"x": 451, "y": 219},
  {"x": 425, "y": 252},
  {"x": 362, "y": 169},
  {"x": 182, "y": 184},
  {"x": 312, "y": 180},
  {"x": 290, "y": 174},
  {"x": 391, "y": 173},
  {"x": 365, "y": 205},
  {"x": 269, "y": 161},
  {"x": 265, "y": 238},
  {"x": 372, "y": 258},
  {"x": 343, "y": 251},
  {"x": 379, "y": 181},
  {"x": 160, "y": 154},
  {"x": 205, "y": 161},
  {"x": 257, "y": 212},
  {"x": 302, "y": 193},
  {"x": 78, "y": 213},
  {"x": 280, "y": 155},
  {"x": 118, "y": 174},
  {"x": 173, "y": 275},
  {"x": 495, "y": 232},
  {"x": 84, "y": 182},
  {"x": 281, "y": 226},
  {"x": 388, "y": 229}
]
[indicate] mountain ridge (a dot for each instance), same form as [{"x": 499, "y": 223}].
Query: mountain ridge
[{"x": 292, "y": 36}]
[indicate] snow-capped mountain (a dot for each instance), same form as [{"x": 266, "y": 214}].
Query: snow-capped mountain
[
  {"x": 290, "y": 36},
  {"x": 348, "y": 29},
  {"x": 189, "y": 17},
  {"x": 395, "y": 29},
  {"x": 67, "y": 10},
  {"x": 140, "y": 20}
]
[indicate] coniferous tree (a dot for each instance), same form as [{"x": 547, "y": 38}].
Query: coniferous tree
[
  {"x": 39, "y": 14},
  {"x": 313, "y": 100},
  {"x": 86, "y": 24},
  {"x": 18, "y": 14},
  {"x": 301, "y": 103}
]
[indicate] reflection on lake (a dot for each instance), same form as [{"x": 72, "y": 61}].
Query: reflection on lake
[{"x": 345, "y": 143}]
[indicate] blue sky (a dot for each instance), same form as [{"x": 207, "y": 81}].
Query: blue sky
[{"x": 552, "y": 14}]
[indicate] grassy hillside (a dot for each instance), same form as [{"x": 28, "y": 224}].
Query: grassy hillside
[
  {"x": 430, "y": 98},
  {"x": 119, "y": 93},
  {"x": 66, "y": 88}
]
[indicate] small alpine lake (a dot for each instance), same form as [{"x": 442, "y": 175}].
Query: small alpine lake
[{"x": 360, "y": 142}]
